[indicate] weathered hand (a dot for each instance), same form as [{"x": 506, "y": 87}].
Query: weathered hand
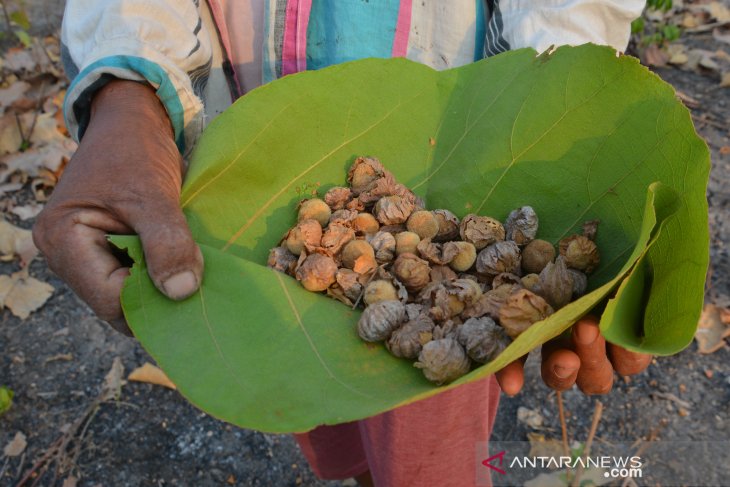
[
  {"x": 584, "y": 359},
  {"x": 124, "y": 178}
]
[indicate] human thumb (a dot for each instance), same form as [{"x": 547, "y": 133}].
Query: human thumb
[{"x": 174, "y": 261}]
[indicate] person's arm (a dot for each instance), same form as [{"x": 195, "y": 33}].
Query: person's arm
[
  {"x": 513, "y": 24},
  {"x": 133, "y": 103}
]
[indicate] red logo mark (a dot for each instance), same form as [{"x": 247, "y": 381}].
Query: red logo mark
[{"x": 488, "y": 462}]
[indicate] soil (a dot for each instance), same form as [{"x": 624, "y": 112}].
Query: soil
[{"x": 56, "y": 361}]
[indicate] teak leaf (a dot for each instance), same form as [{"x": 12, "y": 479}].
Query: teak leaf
[{"x": 578, "y": 134}]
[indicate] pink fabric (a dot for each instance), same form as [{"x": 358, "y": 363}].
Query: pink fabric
[
  {"x": 402, "y": 29},
  {"x": 216, "y": 11},
  {"x": 294, "y": 51},
  {"x": 430, "y": 442}
]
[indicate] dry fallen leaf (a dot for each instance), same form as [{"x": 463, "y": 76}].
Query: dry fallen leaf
[
  {"x": 10, "y": 138},
  {"x": 151, "y": 374},
  {"x": 16, "y": 241},
  {"x": 711, "y": 330},
  {"x": 721, "y": 35},
  {"x": 719, "y": 11},
  {"x": 19, "y": 59},
  {"x": 677, "y": 53},
  {"x": 113, "y": 381},
  {"x": 12, "y": 93},
  {"x": 23, "y": 294},
  {"x": 16, "y": 446},
  {"x": 655, "y": 56}
]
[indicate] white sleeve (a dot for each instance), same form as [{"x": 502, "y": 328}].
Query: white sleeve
[
  {"x": 163, "y": 42},
  {"x": 543, "y": 23}
]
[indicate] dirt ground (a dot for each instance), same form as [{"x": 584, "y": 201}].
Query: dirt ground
[{"x": 56, "y": 361}]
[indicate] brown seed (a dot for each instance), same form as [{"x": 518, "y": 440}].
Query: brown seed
[
  {"x": 499, "y": 257},
  {"x": 481, "y": 230},
  {"x": 443, "y": 361},
  {"x": 482, "y": 339},
  {"x": 384, "y": 245},
  {"x": 406, "y": 242},
  {"x": 448, "y": 226},
  {"x": 521, "y": 225},
  {"x": 306, "y": 235},
  {"x": 580, "y": 283},
  {"x": 436, "y": 253},
  {"x": 556, "y": 284},
  {"x": 442, "y": 273},
  {"x": 353, "y": 250},
  {"x": 363, "y": 172},
  {"x": 337, "y": 197},
  {"x": 408, "y": 340},
  {"x": 379, "y": 320},
  {"x": 521, "y": 310},
  {"x": 490, "y": 302},
  {"x": 530, "y": 282},
  {"x": 314, "y": 208},
  {"x": 580, "y": 253},
  {"x": 412, "y": 271},
  {"x": 423, "y": 223},
  {"x": 282, "y": 260},
  {"x": 335, "y": 237},
  {"x": 349, "y": 282},
  {"x": 465, "y": 256},
  {"x": 379, "y": 290},
  {"x": 365, "y": 224},
  {"x": 317, "y": 272},
  {"x": 536, "y": 255},
  {"x": 392, "y": 210}
]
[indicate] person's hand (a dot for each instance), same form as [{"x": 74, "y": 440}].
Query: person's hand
[
  {"x": 125, "y": 178},
  {"x": 584, "y": 359}
]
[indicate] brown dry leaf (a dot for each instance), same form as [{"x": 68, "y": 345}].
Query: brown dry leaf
[
  {"x": 16, "y": 241},
  {"x": 10, "y": 138},
  {"x": 711, "y": 329},
  {"x": 677, "y": 53},
  {"x": 23, "y": 294},
  {"x": 12, "y": 93},
  {"x": 16, "y": 446},
  {"x": 719, "y": 11},
  {"x": 655, "y": 56},
  {"x": 26, "y": 212},
  {"x": 544, "y": 447},
  {"x": 690, "y": 21},
  {"x": 113, "y": 381},
  {"x": 19, "y": 59},
  {"x": 31, "y": 162},
  {"x": 725, "y": 150},
  {"x": 151, "y": 374}
]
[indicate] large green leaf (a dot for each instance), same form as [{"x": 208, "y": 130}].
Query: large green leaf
[{"x": 578, "y": 134}]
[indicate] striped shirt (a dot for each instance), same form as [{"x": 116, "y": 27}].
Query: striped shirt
[{"x": 202, "y": 55}]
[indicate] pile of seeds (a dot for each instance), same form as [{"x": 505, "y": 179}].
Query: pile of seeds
[{"x": 450, "y": 293}]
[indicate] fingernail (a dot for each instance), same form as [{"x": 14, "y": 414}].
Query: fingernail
[
  {"x": 562, "y": 372},
  {"x": 585, "y": 335},
  {"x": 180, "y": 285}
]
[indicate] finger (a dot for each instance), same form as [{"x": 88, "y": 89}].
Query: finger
[
  {"x": 559, "y": 368},
  {"x": 80, "y": 255},
  {"x": 174, "y": 261},
  {"x": 596, "y": 373},
  {"x": 511, "y": 378},
  {"x": 626, "y": 362}
]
